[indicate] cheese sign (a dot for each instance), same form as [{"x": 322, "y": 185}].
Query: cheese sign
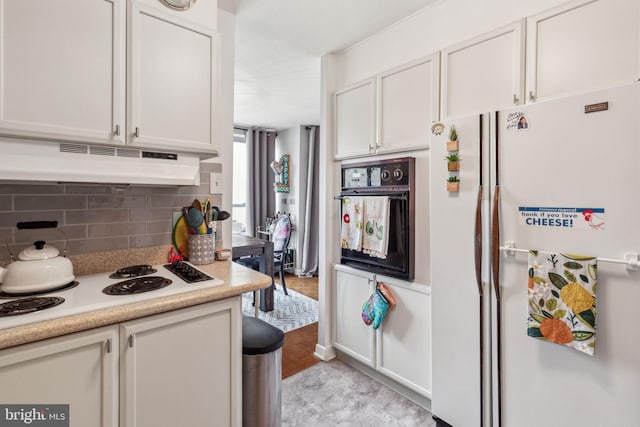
[{"x": 562, "y": 217}]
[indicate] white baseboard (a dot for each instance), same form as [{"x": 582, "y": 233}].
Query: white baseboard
[{"x": 324, "y": 353}]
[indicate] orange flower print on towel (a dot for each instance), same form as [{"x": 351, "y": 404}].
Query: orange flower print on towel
[
  {"x": 562, "y": 300},
  {"x": 555, "y": 330}
]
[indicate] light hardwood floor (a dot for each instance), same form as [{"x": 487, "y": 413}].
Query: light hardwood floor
[{"x": 300, "y": 344}]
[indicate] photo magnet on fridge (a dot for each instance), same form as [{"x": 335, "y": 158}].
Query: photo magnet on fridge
[{"x": 517, "y": 121}]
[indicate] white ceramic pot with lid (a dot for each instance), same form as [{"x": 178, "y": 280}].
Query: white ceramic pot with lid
[{"x": 38, "y": 268}]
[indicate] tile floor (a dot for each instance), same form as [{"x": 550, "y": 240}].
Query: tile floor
[{"x": 334, "y": 394}]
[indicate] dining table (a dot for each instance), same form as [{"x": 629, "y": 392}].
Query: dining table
[{"x": 250, "y": 246}]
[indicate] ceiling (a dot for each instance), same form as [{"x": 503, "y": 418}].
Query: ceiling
[{"x": 279, "y": 44}]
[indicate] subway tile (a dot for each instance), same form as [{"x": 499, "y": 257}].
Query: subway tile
[
  {"x": 61, "y": 233},
  {"x": 97, "y": 189},
  {"x": 10, "y": 219},
  {"x": 84, "y": 246},
  {"x": 146, "y": 214},
  {"x": 176, "y": 201},
  {"x": 53, "y": 188},
  {"x": 154, "y": 227},
  {"x": 193, "y": 189},
  {"x": 150, "y": 240},
  {"x": 210, "y": 167},
  {"x": 112, "y": 201},
  {"x": 117, "y": 229},
  {"x": 6, "y": 203},
  {"x": 97, "y": 216},
  {"x": 6, "y": 236},
  {"x": 153, "y": 190},
  {"x": 35, "y": 203}
]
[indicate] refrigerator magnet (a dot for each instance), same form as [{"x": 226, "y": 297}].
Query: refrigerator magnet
[{"x": 517, "y": 121}]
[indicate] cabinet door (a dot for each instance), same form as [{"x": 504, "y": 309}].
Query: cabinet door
[
  {"x": 583, "y": 46},
  {"x": 352, "y": 336},
  {"x": 183, "y": 368},
  {"x": 173, "y": 81},
  {"x": 62, "y": 70},
  {"x": 408, "y": 104},
  {"x": 484, "y": 74},
  {"x": 80, "y": 370},
  {"x": 355, "y": 117},
  {"x": 404, "y": 338}
]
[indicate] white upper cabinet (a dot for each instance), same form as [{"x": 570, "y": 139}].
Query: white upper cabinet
[
  {"x": 484, "y": 73},
  {"x": 173, "y": 81},
  {"x": 62, "y": 70},
  {"x": 390, "y": 112},
  {"x": 408, "y": 99},
  {"x": 355, "y": 118},
  {"x": 64, "y": 66},
  {"x": 582, "y": 46}
]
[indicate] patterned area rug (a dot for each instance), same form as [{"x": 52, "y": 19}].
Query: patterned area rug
[{"x": 289, "y": 312}]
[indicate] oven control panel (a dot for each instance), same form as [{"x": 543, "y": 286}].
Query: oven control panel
[{"x": 392, "y": 173}]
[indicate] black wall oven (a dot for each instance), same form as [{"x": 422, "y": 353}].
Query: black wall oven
[{"x": 393, "y": 178}]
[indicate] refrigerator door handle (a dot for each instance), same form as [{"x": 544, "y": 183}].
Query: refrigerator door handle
[
  {"x": 495, "y": 243},
  {"x": 478, "y": 241}
]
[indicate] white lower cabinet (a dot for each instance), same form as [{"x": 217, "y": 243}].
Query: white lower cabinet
[
  {"x": 80, "y": 370},
  {"x": 404, "y": 339},
  {"x": 352, "y": 336},
  {"x": 180, "y": 368},
  {"x": 401, "y": 347}
]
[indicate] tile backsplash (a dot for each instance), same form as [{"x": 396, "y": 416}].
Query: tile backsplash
[{"x": 95, "y": 218}]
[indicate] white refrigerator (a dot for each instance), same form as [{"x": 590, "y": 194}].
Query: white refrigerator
[{"x": 569, "y": 182}]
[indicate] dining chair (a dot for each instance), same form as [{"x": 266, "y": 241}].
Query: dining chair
[{"x": 280, "y": 237}]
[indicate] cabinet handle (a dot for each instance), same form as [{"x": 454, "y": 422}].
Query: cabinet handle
[
  {"x": 132, "y": 339},
  {"x": 117, "y": 131},
  {"x": 137, "y": 132},
  {"x": 531, "y": 96},
  {"x": 515, "y": 99},
  {"x": 370, "y": 147},
  {"x": 107, "y": 346}
]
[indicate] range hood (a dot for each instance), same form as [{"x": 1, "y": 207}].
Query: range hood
[{"x": 22, "y": 160}]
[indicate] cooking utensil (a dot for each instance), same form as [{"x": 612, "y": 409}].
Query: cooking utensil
[
  {"x": 185, "y": 215},
  {"x": 195, "y": 218}
]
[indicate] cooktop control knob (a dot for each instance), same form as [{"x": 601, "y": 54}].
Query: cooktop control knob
[
  {"x": 398, "y": 174},
  {"x": 385, "y": 175}
]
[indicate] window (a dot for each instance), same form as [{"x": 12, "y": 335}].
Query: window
[{"x": 239, "y": 205}]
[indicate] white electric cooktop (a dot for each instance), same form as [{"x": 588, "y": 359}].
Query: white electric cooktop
[{"x": 88, "y": 295}]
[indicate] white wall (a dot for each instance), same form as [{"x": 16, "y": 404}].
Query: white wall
[
  {"x": 224, "y": 115},
  {"x": 295, "y": 142},
  {"x": 440, "y": 25}
]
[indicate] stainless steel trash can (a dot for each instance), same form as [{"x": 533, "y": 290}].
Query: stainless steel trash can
[{"x": 261, "y": 373}]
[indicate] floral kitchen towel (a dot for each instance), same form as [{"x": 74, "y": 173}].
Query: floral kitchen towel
[
  {"x": 351, "y": 230},
  {"x": 562, "y": 299},
  {"x": 375, "y": 240}
]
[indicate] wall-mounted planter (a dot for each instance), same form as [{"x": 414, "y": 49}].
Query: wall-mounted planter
[
  {"x": 453, "y": 166},
  {"x": 453, "y": 187},
  {"x": 453, "y": 146}
]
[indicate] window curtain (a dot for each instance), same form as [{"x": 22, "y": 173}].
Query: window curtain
[
  {"x": 261, "y": 200},
  {"x": 309, "y": 214}
]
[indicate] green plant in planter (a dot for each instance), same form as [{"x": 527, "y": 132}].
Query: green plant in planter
[
  {"x": 453, "y": 179},
  {"x": 453, "y": 135},
  {"x": 452, "y": 158}
]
